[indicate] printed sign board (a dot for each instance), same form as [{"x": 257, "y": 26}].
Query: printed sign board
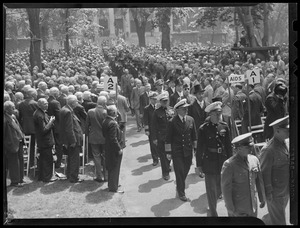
[
  {"x": 253, "y": 76},
  {"x": 110, "y": 83}
]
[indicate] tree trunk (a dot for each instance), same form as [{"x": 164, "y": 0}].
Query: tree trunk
[
  {"x": 141, "y": 35},
  {"x": 165, "y": 30},
  {"x": 35, "y": 35},
  {"x": 44, "y": 36},
  {"x": 265, "y": 39},
  {"x": 67, "y": 44},
  {"x": 247, "y": 21},
  {"x": 236, "y": 27}
]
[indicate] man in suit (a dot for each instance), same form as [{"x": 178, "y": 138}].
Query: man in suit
[
  {"x": 171, "y": 86},
  {"x": 64, "y": 90},
  {"x": 178, "y": 91},
  {"x": 13, "y": 145},
  {"x": 144, "y": 101},
  {"x": 209, "y": 91},
  {"x": 148, "y": 113},
  {"x": 53, "y": 110},
  {"x": 87, "y": 101},
  {"x": 135, "y": 103},
  {"x": 71, "y": 137},
  {"x": 196, "y": 109},
  {"x": 94, "y": 120},
  {"x": 213, "y": 148},
  {"x": 45, "y": 140},
  {"x": 238, "y": 101},
  {"x": 41, "y": 91},
  {"x": 181, "y": 141},
  {"x": 241, "y": 177},
  {"x": 113, "y": 149},
  {"x": 26, "y": 110}
]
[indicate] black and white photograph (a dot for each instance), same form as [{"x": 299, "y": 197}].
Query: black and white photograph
[{"x": 157, "y": 113}]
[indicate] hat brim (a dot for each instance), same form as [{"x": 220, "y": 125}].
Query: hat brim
[
  {"x": 183, "y": 106},
  {"x": 217, "y": 109}
]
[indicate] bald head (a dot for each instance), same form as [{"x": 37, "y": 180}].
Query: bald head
[
  {"x": 32, "y": 93},
  {"x": 112, "y": 110},
  {"x": 86, "y": 95},
  {"x": 72, "y": 101},
  {"x": 54, "y": 91},
  {"x": 101, "y": 100}
]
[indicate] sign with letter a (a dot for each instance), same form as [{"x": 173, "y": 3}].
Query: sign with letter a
[
  {"x": 253, "y": 76},
  {"x": 110, "y": 83}
]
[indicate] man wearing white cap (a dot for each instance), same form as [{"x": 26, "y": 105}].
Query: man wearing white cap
[
  {"x": 241, "y": 177},
  {"x": 274, "y": 159},
  {"x": 181, "y": 141},
  {"x": 213, "y": 148}
]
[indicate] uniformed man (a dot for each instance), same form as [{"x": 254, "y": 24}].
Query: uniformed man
[
  {"x": 241, "y": 177},
  {"x": 274, "y": 159},
  {"x": 213, "y": 148},
  {"x": 160, "y": 118},
  {"x": 148, "y": 113},
  {"x": 181, "y": 141}
]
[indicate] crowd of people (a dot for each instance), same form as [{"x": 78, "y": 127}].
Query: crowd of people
[{"x": 181, "y": 100}]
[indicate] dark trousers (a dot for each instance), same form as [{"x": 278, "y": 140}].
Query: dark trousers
[
  {"x": 15, "y": 165},
  {"x": 213, "y": 191},
  {"x": 99, "y": 160},
  {"x": 31, "y": 151},
  {"x": 182, "y": 167},
  {"x": 153, "y": 149},
  {"x": 164, "y": 162},
  {"x": 73, "y": 163},
  {"x": 276, "y": 209},
  {"x": 58, "y": 149},
  {"x": 45, "y": 164},
  {"x": 113, "y": 175}
]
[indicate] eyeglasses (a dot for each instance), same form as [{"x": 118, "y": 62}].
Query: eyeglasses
[{"x": 186, "y": 88}]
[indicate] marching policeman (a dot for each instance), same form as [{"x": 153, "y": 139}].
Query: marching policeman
[
  {"x": 160, "y": 118},
  {"x": 181, "y": 141},
  {"x": 275, "y": 166},
  {"x": 213, "y": 148},
  {"x": 148, "y": 113},
  {"x": 241, "y": 177}
]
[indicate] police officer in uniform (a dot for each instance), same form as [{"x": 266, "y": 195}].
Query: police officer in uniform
[
  {"x": 181, "y": 141},
  {"x": 241, "y": 177},
  {"x": 213, "y": 148},
  {"x": 160, "y": 118},
  {"x": 148, "y": 113},
  {"x": 274, "y": 159}
]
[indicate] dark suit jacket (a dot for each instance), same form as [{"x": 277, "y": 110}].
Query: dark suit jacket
[
  {"x": 197, "y": 113},
  {"x": 170, "y": 91},
  {"x": 144, "y": 101},
  {"x": 112, "y": 135},
  {"x": 173, "y": 99},
  {"x": 81, "y": 114},
  {"x": 26, "y": 110},
  {"x": 69, "y": 127},
  {"x": 53, "y": 110},
  {"x": 88, "y": 105},
  {"x": 94, "y": 120},
  {"x": 62, "y": 99},
  {"x": 181, "y": 137},
  {"x": 12, "y": 134},
  {"x": 43, "y": 131},
  {"x": 152, "y": 83},
  {"x": 147, "y": 117}
]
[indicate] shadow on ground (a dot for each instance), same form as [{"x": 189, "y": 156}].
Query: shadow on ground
[
  {"x": 200, "y": 205},
  {"x": 144, "y": 158},
  {"x": 28, "y": 188},
  {"x": 192, "y": 179},
  {"x": 99, "y": 196},
  {"x": 151, "y": 184},
  {"x": 140, "y": 143},
  {"x": 86, "y": 186},
  {"x": 143, "y": 169},
  {"x": 164, "y": 207},
  {"x": 54, "y": 187}
]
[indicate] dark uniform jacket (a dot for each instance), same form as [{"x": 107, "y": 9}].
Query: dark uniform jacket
[
  {"x": 239, "y": 183},
  {"x": 53, "y": 110},
  {"x": 112, "y": 145},
  {"x": 160, "y": 119},
  {"x": 174, "y": 98},
  {"x": 197, "y": 113},
  {"x": 144, "y": 101},
  {"x": 70, "y": 129},
  {"x": 43, "y": 131},
  {"x": 26, "y": 110},
  {"x": 12, "y": 134},
  {"x": 147, "y": 117},
  {"x": 181, "y": 136},
  {"x": 274, "y": 159},
  {"x": 213, "y": 147}
]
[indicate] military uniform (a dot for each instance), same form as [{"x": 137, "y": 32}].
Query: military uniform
[
  {"x": 240, "y": 179},
  {"x": 160, "y": 118},
  {"x": 213, "y": 148},
  {"x": 274, "y": 159},
  {"x": 181, "y": 141}
]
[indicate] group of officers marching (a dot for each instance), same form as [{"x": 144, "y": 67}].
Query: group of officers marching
[{"x": 233, "y": 170}]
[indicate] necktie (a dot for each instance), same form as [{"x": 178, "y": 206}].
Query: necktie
[{"x": 183, "y": 121}]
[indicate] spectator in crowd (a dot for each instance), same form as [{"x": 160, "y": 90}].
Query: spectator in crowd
[
  {"x": 125, "y": 83},
  {"x": 43, "y": 126},
  {"x": 171, "y": 86},
  {"x": 19, "y": 97},
  {"x": 280, "y": 67},
  {"x": 63, "y": 96},
  {"x": 41, "y": 90},
  {"x": 239, "y": 187},
  {"x": 13, "y": 145},
  {"x": 135, "y": 103},
  {"x": 213, "y": 148},
  {"x": 26, "y": 110},
  {"x": 94, "y": 121},
  {"x": 274, "y": 159},
  {"x": 9, "y": 88},
  {"x": 87, "y": 101},
  {"x": 243, "y": 39},
  {"x": 144, "y": 100},
  {"x": 208, "y": 93},
  {"x": 159, "y": 84},
  {"x": 71, "y": 137},
  {"x": 147, "y": 118},
  {"x": 226, "y": 101},
  {"x": 112, "y": 148},
  {"x": 178, "y": 92},
  {"x": 181, "y": 142},
  {"x": 238, "y": 101},
  {"x": 219, "y": 89}
]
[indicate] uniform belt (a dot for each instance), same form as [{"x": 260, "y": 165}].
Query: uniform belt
[{"x": 215, "y": 150}]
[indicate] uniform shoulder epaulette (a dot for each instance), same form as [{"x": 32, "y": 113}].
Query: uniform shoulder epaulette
[{"x": 204, "y": 125}]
